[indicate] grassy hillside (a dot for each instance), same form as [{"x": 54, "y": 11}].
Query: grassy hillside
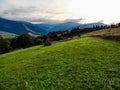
[
  {"x": 112, "y": 33},
  {"x": 80, "y": 64},
  {"x": 7, "y": 35}
]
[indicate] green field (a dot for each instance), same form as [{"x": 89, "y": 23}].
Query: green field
[{"x": 84, "y": 63}]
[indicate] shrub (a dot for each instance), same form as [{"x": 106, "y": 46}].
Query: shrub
[
  {"x": 4, "y": 45},
  {"x": 23, "y": 41},
  {"x": 38, "y": 41},
  {"x": 47, "y": 43}
]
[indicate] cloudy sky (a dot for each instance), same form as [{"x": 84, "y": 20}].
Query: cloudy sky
[{"x": 53, "y": 11}]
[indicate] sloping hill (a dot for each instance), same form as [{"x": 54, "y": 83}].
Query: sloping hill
[
  {"x": 111, "y": 33},
  {"x": 107, "y": 32},
  {"x": 7, "y": 34},
  {"x": 81, "y": 64}
]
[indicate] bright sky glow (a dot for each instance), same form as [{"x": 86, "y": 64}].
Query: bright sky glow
[
  {"x": 60, "y": 10},
  {"x": 94, "y": 10}
]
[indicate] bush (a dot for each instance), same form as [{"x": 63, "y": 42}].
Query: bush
[
  {"x": 22, "y": 41},
  {"x": 4, "y": 45},
  {"x": 47, "y": 43},
  {"x": 38, "y": 41},
  {"x": 79, "y": 35},
  {"x": 14, "y": 43}
]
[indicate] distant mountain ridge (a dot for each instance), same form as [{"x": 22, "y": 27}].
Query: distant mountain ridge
[
  {"x": 20, "y": 27},
  {"x": 67, "y": 26}
]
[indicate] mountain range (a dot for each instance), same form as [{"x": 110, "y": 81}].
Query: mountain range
[
  {"x": 21, "y": 27},
  {"x": 67, "y": 26}
]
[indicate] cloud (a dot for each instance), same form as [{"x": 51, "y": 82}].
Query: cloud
[
  {"x": 18, "y": 11},
  {"x": 35, "y": 11},
  {"x": 43, "y": 20},
  {"x": 31, "y": 10},
  {"x": 57, "y": 10},
  {"x": 74, "y": 20}
]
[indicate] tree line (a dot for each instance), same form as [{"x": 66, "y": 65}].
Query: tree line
[{"x": 26, "y": 40}]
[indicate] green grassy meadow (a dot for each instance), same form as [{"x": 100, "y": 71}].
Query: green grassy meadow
[{"x": 85, "y": 63}]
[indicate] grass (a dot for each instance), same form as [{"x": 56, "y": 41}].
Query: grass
[
  {"x": 7, "y": 35},
  {"x": 85, "y": 63},
  {"x": 112, "y": 34}
]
